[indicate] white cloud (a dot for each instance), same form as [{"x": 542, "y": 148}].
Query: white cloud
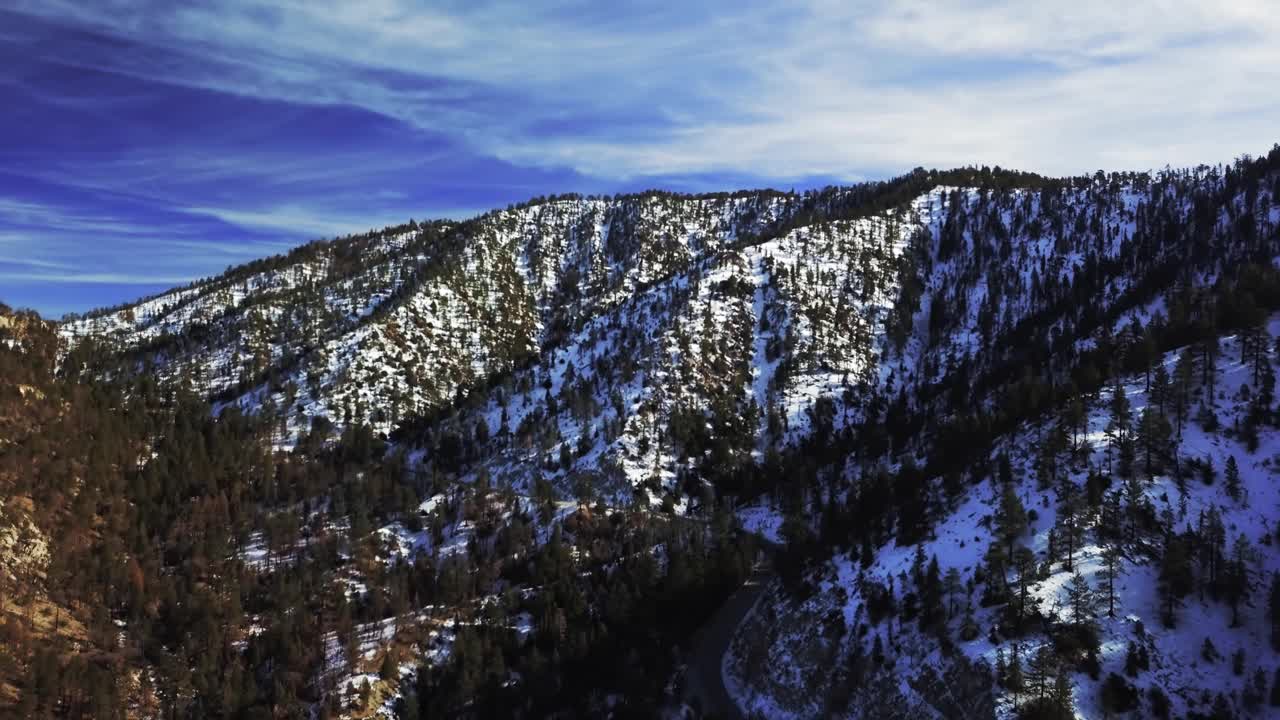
[
  {"x": 1162, "y": 83},
  {"x": 297, "y": 219},
  {"x": 19, "y": 212},
  {"x": 823, "y": 88},
  {"x": 94, "y": 278},
  {"x": 31, "y": 262}
]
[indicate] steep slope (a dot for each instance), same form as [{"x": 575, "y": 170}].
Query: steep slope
[
  {"x": 379, "y": 327},
  {"x": 1098, "y": 573},
  {"x": 918, "y": 592},
  {"x": 849, "y": 368},
  {"x": 714, "y": 373}
]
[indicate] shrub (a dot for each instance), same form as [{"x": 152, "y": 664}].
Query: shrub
[{"x": 1118, "y": 696}]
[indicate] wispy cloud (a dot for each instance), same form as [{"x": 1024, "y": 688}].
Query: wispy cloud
[
  {"x": 297, "y": 219},
  {"x": 33, "y": 263},
  {"x": 196, "y": 134},
  {"x": 20, "y": 213},
  {"x": 93, "y": 278},
  {"x": 809, "y": 88}
]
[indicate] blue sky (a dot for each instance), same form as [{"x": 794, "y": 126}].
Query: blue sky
[{"x": 145, "y": 144}]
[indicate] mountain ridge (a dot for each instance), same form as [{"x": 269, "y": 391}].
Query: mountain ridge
[{"x": 864, "y": 375}]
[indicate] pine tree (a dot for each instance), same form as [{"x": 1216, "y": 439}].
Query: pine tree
[
  {"x": 1071, "y": 523},
  {"x": 1232, "y": 475},
  {"x": 1111, "y": 569},
  {"x": 1183, "y": 374},
  {"x": 1256, "y": 690},
  {"x": 1255, "y": 343},
  {"x": 1042, "y": 671},
  {"x": 1237, "y": 577},
  {"x": 1118, "y": 426},
  {"x": 968, "y": 625},
  {"x": 918, "y": 564},
  {"x": 1209, "y": 351},
  {"x": 1175, "y": 577},
  {"x": 409, "y": 707},
  {"x": 1153, "y": 439},
  {"x": 932, "y": 613},
  {"x": 1005, "y": 470},
  {"x": 1135, "y": 504},
  {"x": 1081, "y": 599},
  {"x": 1131, "y": 664},
  {"x": 1025, "y": 564},
  {"x": 1208, "y": 651},
  {"x": 1015, "y": 677},
  {"x": 389, "y": 670},
  {"x": 1011, "y": 520},
  {"x": 1076, "y": 418},
  {"x": 996, "y": 568},
  {"x": 1213, "y": 543},
  {"x": 1061, "y": 695},
  {"x": 1273, "y": 607},
  {"x": 1111, "y": 522},
  {"x": 952, "y": 586},
  {"x": 1160, "y": 391}
]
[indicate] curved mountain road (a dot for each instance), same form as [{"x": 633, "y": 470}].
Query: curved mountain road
[{"x": 704, "y": 681}]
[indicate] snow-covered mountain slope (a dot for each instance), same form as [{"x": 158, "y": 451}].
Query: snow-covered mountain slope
[
  {"x": 1139, "y": 582},
  {"x": 1196, "y": 631},
  {"x": 658, "y": 330},
  {"x": 757, "y": 349},
  {"x": 754, "y": 332},
  {"x": 379, "y": 327},
  {"x": 873, "y": 375}
]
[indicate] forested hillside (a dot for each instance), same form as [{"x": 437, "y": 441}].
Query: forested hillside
[
  {"x": 1012, "y": 435},
  {"x": 163, "y": 562}
]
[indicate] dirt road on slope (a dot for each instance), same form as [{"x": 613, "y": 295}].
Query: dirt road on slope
[{"x": 704, "y": 679}]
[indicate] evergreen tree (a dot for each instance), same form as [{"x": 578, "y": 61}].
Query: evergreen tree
[
  {"x": 1161, "y": 392},
  {"x": 1255, "y": 343},
  {"x": 1175, "y": 578},
  {"x": 388, "y": 671},
  {"x": 1081, "y": 599},
  {"x": 1015, "y": 677},
  {"x": 1042, "y": 673},
  {"x": 1135, "y": 504},
  {"x": 1118, "y": 426},
  {"x": 1232, "y": 476},
  {"x": 1237, "y": 577},
  {"x": 1256, "y": 691},
  {"x": 1011, "y": 520},
  {"x": 1111, "y": 568},
  {"x": 1071, "y": 523},
  {"x": 1273, "y": 607},
  {"x": 1131, "y": 662},
  {"x": 1213, "y": 540},
  {"x": 1061, "y": 697},
  {"x": 1024, "y": 563},
  {"x": 932, "y": 613},
  {"x": 1183, "y": 376},
  {"x": 952, "y": 586},
  {"x": 1209, "y": 351},
  {"x": 1153, "y": 438}
]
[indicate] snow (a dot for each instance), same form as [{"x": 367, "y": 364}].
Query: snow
[
  {"x": 580, "y": 327},
  {"x": 962, "y": 536},
  {"x": 763, "y": 521}
]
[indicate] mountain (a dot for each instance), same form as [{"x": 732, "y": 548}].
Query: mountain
[{"x": 981, "y": 414}]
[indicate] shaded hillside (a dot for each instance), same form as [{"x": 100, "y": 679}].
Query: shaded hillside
[{"x": 435, "y": 420}]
